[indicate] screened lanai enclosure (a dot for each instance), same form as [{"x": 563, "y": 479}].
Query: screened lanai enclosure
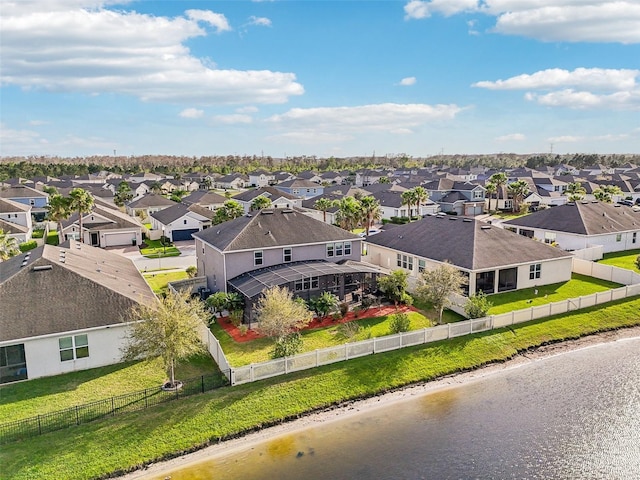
[{"x": 348, "y": 280}]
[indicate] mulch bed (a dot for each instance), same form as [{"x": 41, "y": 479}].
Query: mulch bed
[{"x": 328, "y": 321}]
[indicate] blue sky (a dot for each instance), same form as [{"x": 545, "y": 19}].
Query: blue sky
[{"x": 341, "y": 78}]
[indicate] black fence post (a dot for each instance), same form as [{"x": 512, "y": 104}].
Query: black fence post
[
  {"x": 146, "y": 399},
  {"x": 113, "y": 407},
  {"x": 77, "y": 416},
  {"x": 202, "y": 382},
  {"x": 39, "y": 426}
]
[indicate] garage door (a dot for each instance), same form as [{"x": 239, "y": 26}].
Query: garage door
[
  {"x": 179, "y": 235},
  {"x": 118, "y": 239}
]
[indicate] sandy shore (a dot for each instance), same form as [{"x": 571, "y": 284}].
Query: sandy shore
[{"x": 351, "y": 408}]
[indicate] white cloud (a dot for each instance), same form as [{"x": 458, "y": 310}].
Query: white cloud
[
  {"x": 10, "y": 138},
  {"x": 247, "y": 109},
  {"x": 96, "y": 51},
  {"x": 518, "y": 137},
  {"x": 566, "y": 139},
  {"x": 380, "y": 117},
  {"x": 594, "y": 88},
  {"x": 191, "y": 113},
  {"x": 233, "y": 119},
  {"x": 259, "y": 21},
  {"x": 37, "y": 123},
  {"x": 405, "y": 82},
  {"x": 547, "y": 20},
  {"x": 216, "y": 20}
]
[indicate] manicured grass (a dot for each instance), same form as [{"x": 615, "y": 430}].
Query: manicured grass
[
  {"x": 129, "y": 441},
  {"x": 42, "y": 395},
  {"x": 38, "y": 233},
  {"x": 625, "y": 259},
  {"x": 255, "y": 351},
  {"x": 578, "y": 286},
  {"x": 158, "y": 281},
  {"x": 52, "y": 238},
  {"x": 155, "y": 249},
  {"x": 448, "y": 316}
]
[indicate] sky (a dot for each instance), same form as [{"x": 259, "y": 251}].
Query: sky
[{"x": 326, "y": 78}]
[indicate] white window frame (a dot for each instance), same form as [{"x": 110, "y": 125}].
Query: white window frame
[
  {"x": 535, "y": 271},
  {"x": 258, "y": 258},
  {"x": 78, "y": 347},
  {"x": 347, "y": 249}
]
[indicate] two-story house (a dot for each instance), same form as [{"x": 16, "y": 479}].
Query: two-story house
[{"x": 15, "y": 220}]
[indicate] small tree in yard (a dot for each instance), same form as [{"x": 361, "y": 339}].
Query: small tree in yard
[
  {"x": 280, "y": 317},
  {"x": 324, "y": 304},
  {"x": 478, "y": 305},
  {"x": 168, "y": 330},
  {"x": 394, "y": 285},
  {"x": 436, "y": 285},
  {"x": 400, "y": 322},
  {"x": 217, "y": 302}
]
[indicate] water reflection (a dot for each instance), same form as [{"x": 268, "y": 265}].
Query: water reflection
[{"x": 572, "y": 416}]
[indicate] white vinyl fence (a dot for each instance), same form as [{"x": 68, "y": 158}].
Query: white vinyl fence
[{"x": 281, "y": 366}]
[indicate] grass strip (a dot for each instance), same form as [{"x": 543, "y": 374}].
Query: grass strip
[{"x": 113, "y": 446}]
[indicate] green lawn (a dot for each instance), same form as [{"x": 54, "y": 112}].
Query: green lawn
[
  {"x": 625, "y": 259},
  {"x": 39, "y": 233},
  {"x": 448, "y": 316},
  {"x": 129, "y": 441},
  {"x": 42, "y": 395},
  {"x": 155, "y": 249},
  {"x": 159, "y": 281},
  {"x": 578, "y": 286},
  {"x": 52, "y": 238},
  {"x": 255, "y": 351}
]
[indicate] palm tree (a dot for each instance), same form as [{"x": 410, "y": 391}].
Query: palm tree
[
  {"x": 575, "y": 191},
  {"x": 605, "y": 193},
  {"x": 260, "y": 202},
  {"x": 8, "y": 246},
  {"x": 518, "y": 190},
  {"x": 421, "y": 196},
  {"x": 490, "y": 189},
  {"x": 80, "y": 201},
  {"x": 156, "y": 187},
  {"x": 323, "y": 204},
  {"x": 58, "y": 210},
  {"x": 499, "y": 179},
  {"x": 370, "y": 208},
  {"x": 348, "y": 214},
  {"x": 409, "y": 199},
  {"x": 230, "y": 210}
]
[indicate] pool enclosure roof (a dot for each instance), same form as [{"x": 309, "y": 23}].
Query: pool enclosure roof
[{"x": 251, "y": 284}]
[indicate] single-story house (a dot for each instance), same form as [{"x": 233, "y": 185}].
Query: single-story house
[
  {"x": 63, "y": 309},
  {"x": 494, "y": 260},
  {"x": 583, "y": 224},
  {"x": 206, "y": 199},
  {"x": 181, "y": 220},
  {"x": 148, "y": 204}
]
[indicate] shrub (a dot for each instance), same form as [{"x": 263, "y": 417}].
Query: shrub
[
  {"x": 344, "y": 308},
  {"x": 26, "y": 246},
  {"x": 243, "y": 329},
  {"x": 236, "y": 317},
  {"x": 38, "y": 233},
  {"x": 406, "y": 299},
  {"x": 400, "y": 323},
  {"x": 638, "y": 262},
  {"x": 192, "y": 271},
  {"x": 477, "y": 306},
  {"x": 349, "y": 330},
  {"x": 367, "y": 303},
  {"x": 287, "y": 345}
]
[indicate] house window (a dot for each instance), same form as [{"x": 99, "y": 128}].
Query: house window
[
  {"x": 338, "y": 247},
  {"x": 347, "y": 248},
  {"x": 32, "y": 202},
  {"x": 421, "y": 266},
  {"x": 399, "y": 260},
  {"x": 619, "y": 237},
  {"x": 535, "y": 271},
  {"x": 185, "y": 221},
  {"x": 286, "y": 254},
  {"x": 407, "y": 262},
  {"x": 13, "y": 363},
  {"x": 633, "y": 237},
  {"x": 549, "y": 237},
  {"x": 257, "y": 258},
  {"x": 315, "y": 283},
  {"x": 329, "y": 249},
  {"x": 71, "y": 348}
]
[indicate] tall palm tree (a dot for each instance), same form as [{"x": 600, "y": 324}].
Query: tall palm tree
[
  {"x": 8, "y": 246},
  {"x": 323, "y": 204},
  {"x": 260, "y": 202},
  {"x": 421, "y": 196},
  {"x": 499, "y": 179},
  {"x": 408, "y": 199},
  {"x": 58, "y": 210},
  {"x": 605, "y": 193},
  {"x": 370, "y": 208},
  {"x": 575, "y": 191},
  {"x": 348, "y": 214},
  {"x": 518, "y": 190},
  {"x": 490, "y": 188},
  {"x": 80, "y": 201}
]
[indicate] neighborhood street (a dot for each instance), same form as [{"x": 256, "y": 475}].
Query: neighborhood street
[{"x": 186, "y": 259}]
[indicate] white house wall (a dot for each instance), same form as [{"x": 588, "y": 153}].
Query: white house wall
[{"x": 609, "y": 241}]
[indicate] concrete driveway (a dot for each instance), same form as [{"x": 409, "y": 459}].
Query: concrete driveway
[{"x": 186, "y": 259}]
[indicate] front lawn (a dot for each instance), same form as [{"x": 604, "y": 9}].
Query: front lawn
[
  {"x": 158, "y": 281},
  {"x": 578, "y": 286},
  {"x": 625, "y": 259},
  {"x": 155, "y": 249},
  {"x": 42, "y": 395},
  {"x": 52, "y": 238},
  {"x": 255, "y": 351}
]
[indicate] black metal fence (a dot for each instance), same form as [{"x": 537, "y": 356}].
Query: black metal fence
[{"x": 129, "y": 402}]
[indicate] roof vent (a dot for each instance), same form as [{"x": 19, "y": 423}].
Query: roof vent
[
  {"x": 485, "y": 227},
  {"x": 268, "y": 232},
  {"x": 452, "y": 218},
  {"x": 467, "y": 220},
  {"x": 218, "y": 232},
  {"x": 287, "y": 211},
  {"x": 266, "y": 212},
  {"x": 39, "y": 268}
]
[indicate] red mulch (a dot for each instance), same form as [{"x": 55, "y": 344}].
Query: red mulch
[{"x": 225, "y": 323}]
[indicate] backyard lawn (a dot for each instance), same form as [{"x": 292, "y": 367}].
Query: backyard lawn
[
  {"x": 155, "y": 249},
  {"x": 625, "y": 259},
  {"x": 52, "y": 238},
  {"x": 158, "y": 281},
  {"x": 578, "y": 286},
  {"x": 41, "y": 395}
]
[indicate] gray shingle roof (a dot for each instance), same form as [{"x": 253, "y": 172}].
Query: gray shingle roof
[
  {"x": 271, "y": 228},
  {"x": 53, "y": 293},
  {"x": 582, "y": 218},
  {"x": 179, "y": 210},
  {"x": 465, "y": 242},
  {"x": 151, "y": 200}
]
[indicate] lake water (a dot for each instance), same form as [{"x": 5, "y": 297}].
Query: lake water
[{"x": 572, "y": 416}]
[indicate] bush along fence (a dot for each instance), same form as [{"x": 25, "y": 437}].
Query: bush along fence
[
  {"x": 129, "y": 402},
  {"x": 281, "y": 366}
]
